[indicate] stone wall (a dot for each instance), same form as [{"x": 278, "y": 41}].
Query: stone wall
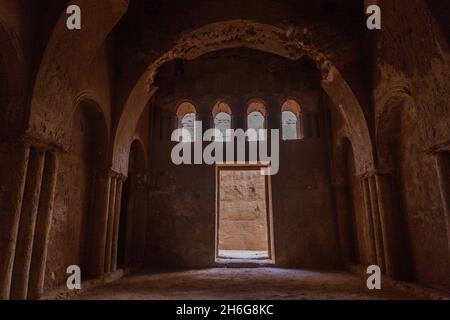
[{"x": 412, "y": 95}]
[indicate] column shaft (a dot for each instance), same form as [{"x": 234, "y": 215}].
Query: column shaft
[
  {"x": 117, "y": 210},
  {"x": 13, "y": 172},
  {"x": 43, "y": 226},
  {"x": 369, "y": 234},
  {"x": 24, "y": 249},
  {"x": 377, "y": 231},
  {"x": 110, "y": 229}
]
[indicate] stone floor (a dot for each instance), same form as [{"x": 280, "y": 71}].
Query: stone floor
[{"x": 232, "y": 283}]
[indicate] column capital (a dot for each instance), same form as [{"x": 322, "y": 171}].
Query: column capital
[
  {"x": 384, "y": 173},
  {"x": 39, "y": 143},
  {"x": 112, "y": 174},
  {"x": 374, "y": 173},
  {"x": 117, "y": 175},
  {"x": 366, "y": 175}
]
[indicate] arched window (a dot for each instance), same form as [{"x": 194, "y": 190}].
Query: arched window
[
  {"x": 256, "y": 118},
  {"x": 186, "y": 115},
  {"x": 222, "y": 118},
  {"x": 291, "y": 120}
]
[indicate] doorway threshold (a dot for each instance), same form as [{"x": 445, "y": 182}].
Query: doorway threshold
[
  {"x": 244, "y": 254},
  {"x": 244, "y": 259},
  {"x": 243, "y": 263}
]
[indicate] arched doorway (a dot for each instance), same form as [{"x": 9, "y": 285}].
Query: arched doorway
[
  {"x": 74, "y": 232},
  {"x": 399, "y": 157},
  {"x": 131, "y": 245}
]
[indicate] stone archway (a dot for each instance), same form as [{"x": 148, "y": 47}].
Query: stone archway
[
  {"x": 253, "y": 35},
  {"x": 63, "y": 67}
]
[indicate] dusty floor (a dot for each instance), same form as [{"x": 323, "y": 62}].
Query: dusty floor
[{"x": 231, "y": 283}]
